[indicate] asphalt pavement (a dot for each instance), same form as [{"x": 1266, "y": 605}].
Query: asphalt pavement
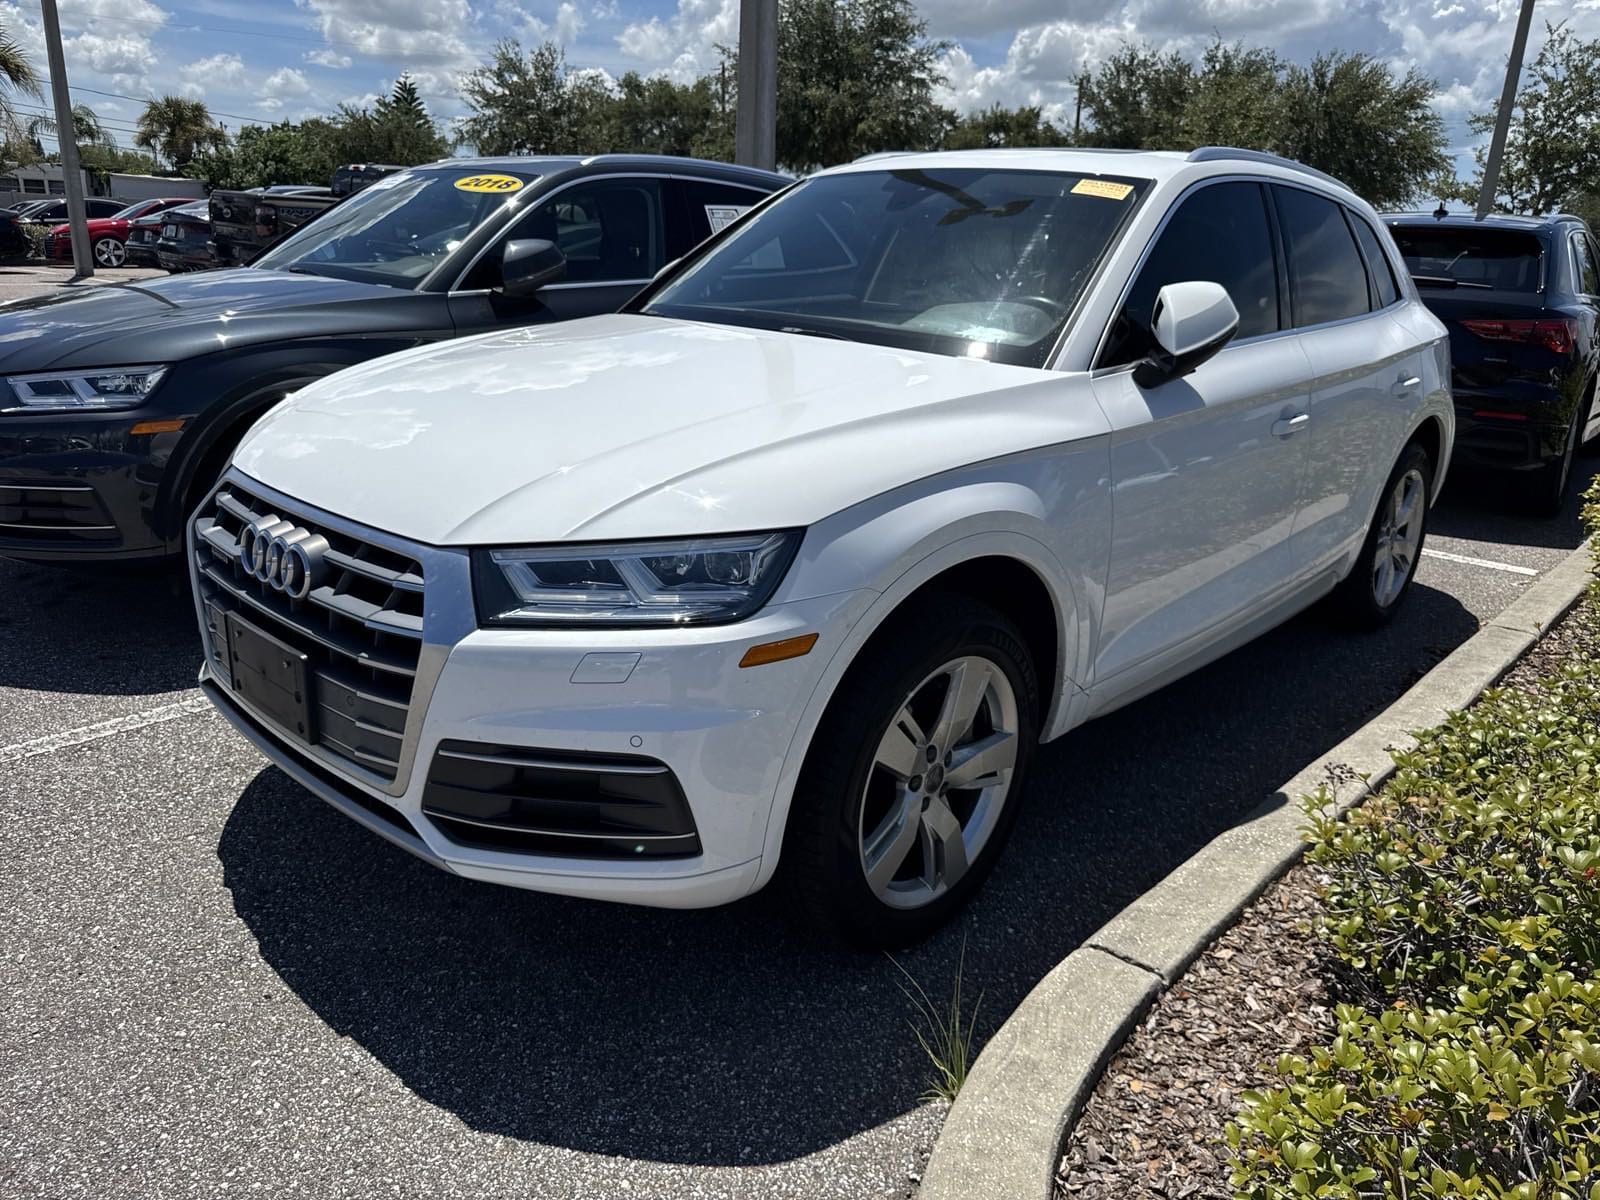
[{"x": 213, "y": 984}]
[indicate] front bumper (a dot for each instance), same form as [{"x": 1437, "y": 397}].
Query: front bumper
[
  {"x": 673, "y": 697},
  {"x": 81, "y": 486}
]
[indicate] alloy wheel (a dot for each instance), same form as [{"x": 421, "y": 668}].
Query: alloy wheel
[
  {"x": 109, "y": 252},
  {"x": 939, "y": 779},
  {"x": 1399, "y": 538}
]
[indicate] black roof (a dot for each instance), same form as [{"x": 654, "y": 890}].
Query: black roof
[{"x": 551, "y": 164}]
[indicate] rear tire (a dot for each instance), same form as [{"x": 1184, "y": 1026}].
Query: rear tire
[
  {"x": 883, "y": 843},
  {"x": 1381, "y": 579}
]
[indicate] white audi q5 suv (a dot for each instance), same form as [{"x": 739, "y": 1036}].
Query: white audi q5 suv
[{"x": 791, "y": 565}]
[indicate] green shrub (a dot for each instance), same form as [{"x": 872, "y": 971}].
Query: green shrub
[{"x": 1462, "y": 910}]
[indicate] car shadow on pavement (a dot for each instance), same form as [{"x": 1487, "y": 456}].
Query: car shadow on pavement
[
  {"x": 1483, "y": 506},
  {"x": 727, "y": 1036},
  {"x": 107, "y": 632}
]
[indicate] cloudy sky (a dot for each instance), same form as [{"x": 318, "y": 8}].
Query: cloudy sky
[{"x": 273, "y": 59}]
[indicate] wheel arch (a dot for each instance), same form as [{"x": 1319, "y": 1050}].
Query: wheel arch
[{"x": 1005, "y": 545}]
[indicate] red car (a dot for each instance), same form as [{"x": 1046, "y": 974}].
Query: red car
[{"x": 107, "y": 235}]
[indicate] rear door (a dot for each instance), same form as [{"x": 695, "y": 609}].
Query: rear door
[
  {"x": 703, "y": 207},
  {"x": 1366, "y": 366},
  {"x": 1205, "y": 469},
  {"x": 612, "y": 230}
]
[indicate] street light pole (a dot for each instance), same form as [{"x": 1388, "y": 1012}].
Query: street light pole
[
  {"x": 1502, "y": 120},
  {"x": 755, "y": 136},
  {"x": 66, "y": 138}
]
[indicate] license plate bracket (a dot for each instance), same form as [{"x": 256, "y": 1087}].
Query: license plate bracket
[{"x": 271, "y": 676}]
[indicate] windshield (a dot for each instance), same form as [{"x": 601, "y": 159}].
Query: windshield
[
  {"x": 1493, "y": 259},
  {"x": 971, "y": 262},
  {"x": 398, "y": 229}
]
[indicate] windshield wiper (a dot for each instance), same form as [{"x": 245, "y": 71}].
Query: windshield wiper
[
  {"x": 808, "y": 331},
  {"x": 1446, "y": 281},
  {"x": 297, "y": 269}
]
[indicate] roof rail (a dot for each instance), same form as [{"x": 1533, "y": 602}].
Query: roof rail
[
  {"x": 1222, "y": 153},
  {"x": 885, "y": 154}
]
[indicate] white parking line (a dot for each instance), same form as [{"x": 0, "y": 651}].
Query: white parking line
[
  {"x": 52, "y": 742},
  {"x": 1479, "y": 562}
]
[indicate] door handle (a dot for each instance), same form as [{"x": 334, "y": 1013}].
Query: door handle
[
  {"x": 1404, "y": 387},
  {"x": 1289, "y": 426}
]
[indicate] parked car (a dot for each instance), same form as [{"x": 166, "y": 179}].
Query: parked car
[
  {"x": 791, "y": 564},
  {"x": 185, "y": 241},
  {"x": 121, "y": 405},
  {"x": 1521, "y": 298},
  {"x": 54, "y": 211},
  {"x": 19, "y": 205},
  {"x": 108, "y": 236},
  {"x": 143, "y": 235},
  {"x": 348, "y": 180},
  {"x": 13, "y": 241},
  {"x": 243, "y": 224}
]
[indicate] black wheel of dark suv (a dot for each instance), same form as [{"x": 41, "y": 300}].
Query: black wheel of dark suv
[{"x": 914, "y": 777}]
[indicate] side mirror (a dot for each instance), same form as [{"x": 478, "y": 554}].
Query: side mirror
[
  {"x": 1191, "y": 322},
  {"x": 527, "y": 264}
]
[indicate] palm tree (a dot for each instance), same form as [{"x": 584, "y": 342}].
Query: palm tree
[
  {"x": 16, "y": 75},
  {"x": 86, "y": 128},
  {"x": 177, "y": 128}
]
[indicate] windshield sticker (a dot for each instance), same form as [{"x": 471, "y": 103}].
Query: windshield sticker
[
  {"x": 723, "y": 215},
  {"x": 502, "y": 184},
  {"x": 1099, "y": 187}
]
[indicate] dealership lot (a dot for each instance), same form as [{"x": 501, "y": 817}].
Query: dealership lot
[{"x": 214, "y": 982}]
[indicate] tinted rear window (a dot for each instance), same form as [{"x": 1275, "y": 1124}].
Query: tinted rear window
[{"x": 1503, "y": 260}]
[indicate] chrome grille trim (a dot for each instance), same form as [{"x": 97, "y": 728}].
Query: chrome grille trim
[{"x": 446, "y": 616}]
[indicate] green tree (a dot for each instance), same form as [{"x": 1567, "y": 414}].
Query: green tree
[
  {"x": 1552, "y": 155},
  {"x": 525, "y": 103},
  {"x": 17, "y": 76},
  {"x": 86, "y": 128},
  {"x": 996, "y": 127},
  {"x": 854, "y": 77},
  {"x": 1137, "y": 99},
  {"x": 658, "y": 116},
  {"x": 176, "y": 128},
  {"x": 1351, "y": 116},
  {"x": 402, "y": 130}
]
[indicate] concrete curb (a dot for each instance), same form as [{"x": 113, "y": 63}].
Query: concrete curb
[{"x": 1005, "y": 1132}]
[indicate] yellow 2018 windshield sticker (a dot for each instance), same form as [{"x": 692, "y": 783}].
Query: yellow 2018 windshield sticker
[
  {"x": 502, "y": 184},
  {"x": 1095, "y": 187}
]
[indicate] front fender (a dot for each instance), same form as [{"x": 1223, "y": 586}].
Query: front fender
[{"x": 899, "y": 543}]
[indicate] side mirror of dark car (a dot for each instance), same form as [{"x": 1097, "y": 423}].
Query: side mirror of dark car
[
  {"x": 1191, "y": 322},
  {"x": 528, "y": 264}
]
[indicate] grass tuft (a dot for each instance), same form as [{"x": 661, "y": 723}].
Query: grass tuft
[{"x": 944, "y": 1033}]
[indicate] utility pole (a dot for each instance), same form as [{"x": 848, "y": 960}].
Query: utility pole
[
  {"x": 755, "y": 123},
  {"x": 67, "y": 140},
  {"x": 1502, "y": 119}
]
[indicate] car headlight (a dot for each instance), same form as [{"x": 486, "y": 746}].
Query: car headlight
[
  {"x": 690, "y": 582},
  {"x": 95, "y": 390}
]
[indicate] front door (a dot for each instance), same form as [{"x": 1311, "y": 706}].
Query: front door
[
  {"x": 1206, "y": 469},
  {"x": 613, "y": 233}
]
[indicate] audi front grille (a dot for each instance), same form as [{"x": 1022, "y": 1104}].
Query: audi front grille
[{"x": 359, "y": 625}]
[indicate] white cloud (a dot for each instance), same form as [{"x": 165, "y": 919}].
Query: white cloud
[
  {"x": 415, "y": 33},
  {"x": 284, "y": 83},
  {"x": 328, "y": 57},
  {"x": 685, "y": 44}
]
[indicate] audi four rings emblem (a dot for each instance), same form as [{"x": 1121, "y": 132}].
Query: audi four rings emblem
[{"x": 283, "y": 556}]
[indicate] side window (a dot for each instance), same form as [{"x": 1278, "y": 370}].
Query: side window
[
  {"x": 1218, "y": 234},
  {"x": 704, "y": 208},
  {"x": 609, "y": 229},
  {"x": 1583, "y": 256},
  {"x": 1327, "y": 281},
  {"x": 1385, "y": 289}
]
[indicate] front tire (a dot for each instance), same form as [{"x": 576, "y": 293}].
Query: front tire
[
  {"x": 1378, "y": 584},
  {"x": 109, "y": 252},
  {"x": 915, "y": 773}
]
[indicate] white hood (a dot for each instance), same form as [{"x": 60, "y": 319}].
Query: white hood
[{"x": 626, "y": 427}]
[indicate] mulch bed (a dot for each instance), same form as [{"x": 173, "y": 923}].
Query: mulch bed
[{"x": 1153, "y": 1126}]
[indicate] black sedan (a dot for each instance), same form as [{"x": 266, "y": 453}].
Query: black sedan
[
  {"x": 1521, "y": 298},
  {"x": 185, "y": 240},
  {"x": 120, "y": 405}
]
